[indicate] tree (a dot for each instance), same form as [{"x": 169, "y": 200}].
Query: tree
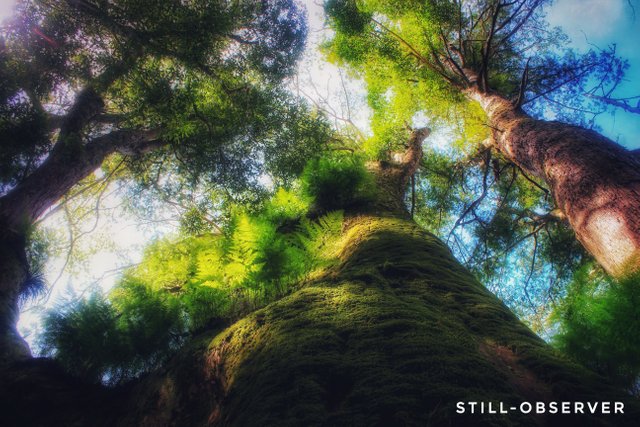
[
  {"x": 393, "y": 331},
  {"x": 84, "y": 80},
  {"x": 386, "y": 328},
  {"x": 502, "y": 56}
]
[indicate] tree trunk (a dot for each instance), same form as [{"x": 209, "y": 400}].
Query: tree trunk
[
  {"x": 13, "y": 273},
  {"x": 394, "y": 335},
  {"x": 66, "y": 166},
  {"x": 594, "y": 181}
]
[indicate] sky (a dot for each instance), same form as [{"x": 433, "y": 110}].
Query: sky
[
  {"x": 602, "y": 23},
  {"x": 119, "y": 239},
  {"x": 6, "y": 8}
]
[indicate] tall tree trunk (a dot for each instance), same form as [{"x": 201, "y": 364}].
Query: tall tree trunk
[
  {"x": 594, "y": 181},
  {"x": 396, "y": 334}
]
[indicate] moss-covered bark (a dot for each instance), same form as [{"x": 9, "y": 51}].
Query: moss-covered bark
[{"x": 396, "y": 334}]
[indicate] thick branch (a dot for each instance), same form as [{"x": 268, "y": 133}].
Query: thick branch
[
  {"x": 88, "y": 104},
  {"x": 410, "y": 159},
  {"x": 64, "y": 168},
  {"x": 392, "y": 177}
]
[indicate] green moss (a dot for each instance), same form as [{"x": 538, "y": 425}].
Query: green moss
[{"x": 395, "y": 335}]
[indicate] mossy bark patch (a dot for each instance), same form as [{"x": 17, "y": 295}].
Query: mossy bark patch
[{"x": 395, "y": 335}]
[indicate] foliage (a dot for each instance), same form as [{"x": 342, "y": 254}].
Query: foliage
[
  {"x": 495, "y": 220},
  {"x": 319, "y": 239},
  {"x": 337, "y": 181},
  {"x": 22, "y": 131},
  {"x": 286, "y": 205},
  {"x": 494, "y": 217},
  {"x": 229, "y": 140},
  {"x": 186, "y": 286},
  {"x": 38, "y": 250},
  {"x": 202, "y": 76},
  {"x": 98, "y": 340},
  {"x": 598, "y": 323},
  {"x": 396, "y": 335},
  {"x": 228, "y": 126},
  {"x": 196, "y": 70},
  {"x": 348, "y": 19},
  {"x": 425, "y": 59}
]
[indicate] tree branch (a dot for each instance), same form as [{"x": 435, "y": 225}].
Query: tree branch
[
  {"x": 546, "y": 192},
  {"x": 88, "y": 103},
  {"x": 410, "y": 159},
  {"x": 476, "y": 202},
  {"x": 64, "y": 168},
  {"x": 523, "y": 86},
  {"x": 620, "y": 103}
]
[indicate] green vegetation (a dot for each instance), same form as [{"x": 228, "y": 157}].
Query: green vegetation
[
  {"x": 113, "y": 341},
  {"x": 338, "y": 181},
  {"x": 430, "y": 62},
  {"x": 394, "y": 334},
  {"x": 599, "y": 325},
  {"x": 195, "y": 283},
  {"x": 311, "y": 299}
]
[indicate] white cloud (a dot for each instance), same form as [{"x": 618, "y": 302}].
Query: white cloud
[{"x": 597, "y": 19}]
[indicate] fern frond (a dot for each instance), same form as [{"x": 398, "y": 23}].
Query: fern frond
[{"x": 318, "y": 238}]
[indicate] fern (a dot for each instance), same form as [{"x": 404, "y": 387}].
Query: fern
[
  {"x": 338, "y": 181},
  {"x": 319, "y": 238},
  {"x": 185, "y": 286},
  {"x": 248, "y": 241}
]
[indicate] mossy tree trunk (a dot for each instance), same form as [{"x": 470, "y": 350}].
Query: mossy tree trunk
[{"x": 395, "y": 334}]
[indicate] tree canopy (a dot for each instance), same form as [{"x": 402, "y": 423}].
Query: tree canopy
[{"x": 137, "y": 76}]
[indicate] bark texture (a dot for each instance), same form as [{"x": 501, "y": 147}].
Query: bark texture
[
  {"x": 394, "y": 334},
  {"x": 594, "y": 181}
]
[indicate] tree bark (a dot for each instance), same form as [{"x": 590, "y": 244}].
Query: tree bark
[
  {"x": 594, "y": 181},
  {"x": 67, "y": 164},
  {"x": 13, "y": 273},
  {"x": 396, "y": 333}
]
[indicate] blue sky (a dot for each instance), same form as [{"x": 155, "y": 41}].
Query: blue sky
[{"x": 602, "y": 23}]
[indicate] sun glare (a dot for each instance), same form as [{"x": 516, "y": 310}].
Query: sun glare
[{"x": 6, "y": 8}]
